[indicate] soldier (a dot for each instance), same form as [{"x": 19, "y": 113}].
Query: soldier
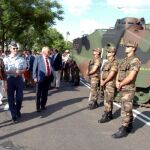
[
  {"x": 125, "y": 83},
  {"x": 109, "y": 72},
  {"x": 93, "y": 73}
]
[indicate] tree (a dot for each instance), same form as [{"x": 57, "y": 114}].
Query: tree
[{"x": 20, "y": 18}]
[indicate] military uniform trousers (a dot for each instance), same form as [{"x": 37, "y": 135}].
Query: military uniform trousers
[
  {"x": 126, "y": 106},
  {"x": 15, "y": 87},
  {"x": 94, "y": 89},
  {"x": 108, "y": 98}
]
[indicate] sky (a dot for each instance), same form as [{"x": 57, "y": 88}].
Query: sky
[{"x": 84, "y": 16}]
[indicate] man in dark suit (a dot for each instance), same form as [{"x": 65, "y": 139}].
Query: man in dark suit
[
  {"x": 57, "y": 66},
  {"x": 42, "y": 75}
]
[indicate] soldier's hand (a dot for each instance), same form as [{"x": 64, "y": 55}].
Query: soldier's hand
[
  {"x": 102, "y": 83},
  {"x": 117, "y": 85},
  {"x": 87, "y": 73}
]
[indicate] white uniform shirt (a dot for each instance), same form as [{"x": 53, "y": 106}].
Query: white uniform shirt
[{"x": 13, "y": 63}]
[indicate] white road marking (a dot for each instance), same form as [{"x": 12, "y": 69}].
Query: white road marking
[{"x": 136, "y": 113}]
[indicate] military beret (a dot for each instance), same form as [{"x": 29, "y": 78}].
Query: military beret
[
  {"x": 97, "y": 50},
  {"x": 111, "y": 48},
  {"x": 130, "y": 44}
]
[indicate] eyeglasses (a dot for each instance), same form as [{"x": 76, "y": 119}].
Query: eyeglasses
[
  {"x": 128, "y": 46},
  {"x": 15, "y": 48},
  {"x": 109, "y": 52}
]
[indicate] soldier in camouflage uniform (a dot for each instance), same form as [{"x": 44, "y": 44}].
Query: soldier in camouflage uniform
[
  {"x": 93, "y": 73},
  {"x": 108, "y": 79},
  {"x": 125, "y": 83}
]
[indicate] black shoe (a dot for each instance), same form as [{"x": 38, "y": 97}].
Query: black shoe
[
  {"x": 38, "y": 110},
  {"x": 15, "y": 120},
  {"x": 43, "y": 108},
  {"x": 121, "y": 133},
  {"x": 106, "y": 117}
]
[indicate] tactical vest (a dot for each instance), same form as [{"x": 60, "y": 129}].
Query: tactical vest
[{"x": 124, "y": 69}]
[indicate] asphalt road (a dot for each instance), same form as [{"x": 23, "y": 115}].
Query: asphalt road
[{"x": 67, "y": 124}]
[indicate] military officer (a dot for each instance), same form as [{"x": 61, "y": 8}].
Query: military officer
[
  {"x": 125, "y": 83},
  {"x": 108, "y": 76},
  {"x": 93, "y": 72},
  {"x": 15, "y": 67}
]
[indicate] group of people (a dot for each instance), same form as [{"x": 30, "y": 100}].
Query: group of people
[
  {"x": 47, "y": 69},
  {"x": 44, "y": 70},
  {"x": 115, "y": 77}
]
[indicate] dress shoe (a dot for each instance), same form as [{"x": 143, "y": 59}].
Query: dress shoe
[
  {"x": 15, "y": 120},
  {"x": 43, "y": 108},
  {"x": 38, "y": 110},
  {"x": 121, "y": 133}
]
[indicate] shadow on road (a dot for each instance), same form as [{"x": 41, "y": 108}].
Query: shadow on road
[
  {"x": 41, "y": 124},
  {"x": 139, "y": 124}
]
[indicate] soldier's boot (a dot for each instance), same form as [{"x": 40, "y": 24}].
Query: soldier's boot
[
  {"x": 130, "y": 126},
  {"x": 94, "y": 105},
  {"x": 106, "y": 117},
  {"x": 122, "y": 132}
]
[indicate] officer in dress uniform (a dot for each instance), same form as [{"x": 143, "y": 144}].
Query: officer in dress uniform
[
  {"x": 125, "y": 83},
  {"x": 108, "y": 76},
  {"x": 15, "y": 67},
  {"x": 93, "y": 72}
]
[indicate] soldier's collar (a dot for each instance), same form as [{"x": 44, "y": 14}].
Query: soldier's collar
[
  {"x": 111, "y": 60},
  {"x": 132, "y": 56}
]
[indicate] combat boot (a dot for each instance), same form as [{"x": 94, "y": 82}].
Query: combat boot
[
  {"x": 94, "y": 105},
  {"x": 121, "y": 133},
  {"x": 130, "y": 125},
  {"x": 106, "y": 117}
]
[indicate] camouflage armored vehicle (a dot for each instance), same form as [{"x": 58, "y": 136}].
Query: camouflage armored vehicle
[{"x": 125, "y": 29}]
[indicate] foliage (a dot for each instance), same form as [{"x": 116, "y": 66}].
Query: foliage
[{"x": 29, "y": 22}]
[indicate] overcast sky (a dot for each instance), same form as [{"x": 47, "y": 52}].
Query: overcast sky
[{"x": 84, "y": 16}]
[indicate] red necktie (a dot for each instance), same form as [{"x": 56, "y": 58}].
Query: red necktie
[{"x": 47, "y": 67}]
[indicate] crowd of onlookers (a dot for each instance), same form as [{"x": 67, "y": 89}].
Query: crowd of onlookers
[{"x": 64, "y": 68}]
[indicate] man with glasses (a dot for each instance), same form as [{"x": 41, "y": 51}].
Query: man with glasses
[
  {"x": 93, "y": 72},
  {"x": 125, "y": 83},
  {"x": 108, "y": 76},
  {"x": 15, "y": 67}
]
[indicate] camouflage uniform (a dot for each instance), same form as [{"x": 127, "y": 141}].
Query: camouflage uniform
[
  {"x": 109, "y": 88},
  {"x": 95, "y": 79},
  {"x": 127, "y": 92},
  {"x": 109, "y": 84}
]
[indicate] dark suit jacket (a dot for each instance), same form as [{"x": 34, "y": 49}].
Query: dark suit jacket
[
  {"x": 39, "y": 69},
  {"x": 57, "y": 62},
  {"x": 2, "y": 70}
]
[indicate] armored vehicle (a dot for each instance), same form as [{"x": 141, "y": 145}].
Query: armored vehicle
[{"x": 125, "y": 29}]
